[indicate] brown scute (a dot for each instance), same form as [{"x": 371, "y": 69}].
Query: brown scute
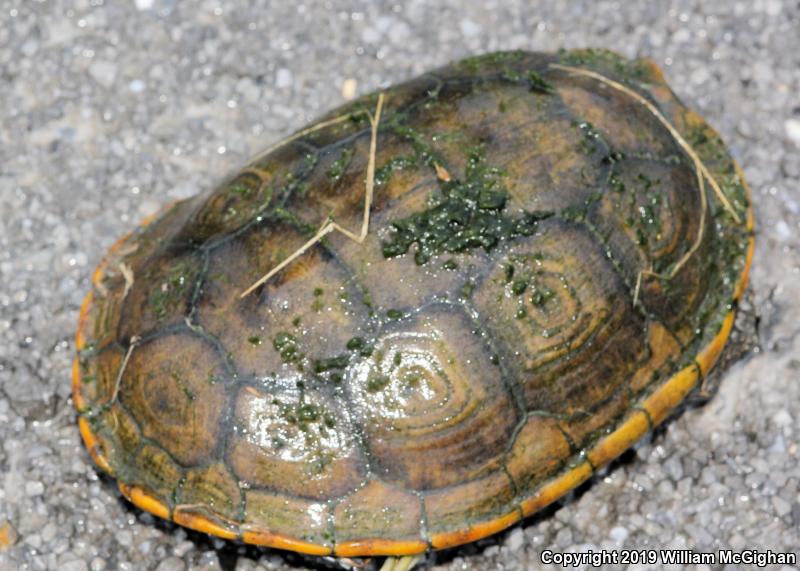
[
  {"x": 629, "y": 129},
  {"x": 214, "y": 487},
  {"x": 579, "y": 338},
  {"x": 539, "y": 148},
  {"x": 657, "y": 360},
  {"x": 378, "y": 511},
  {"x": 231, "y": 206},
  {"x": 168, "y": 387},
  {"x": 442, "y": 415},
  {"x": 647, "y": 214},
  {"x": 413, "y": 285},
  {"x": 460, "y": 506},
  {"x": 161, "y": 293},
  {"x": 538, "y": 451},
  {"x": 306, "y": 520},
  {"x": 314, "y": 300},
  {"x": 337, "y": 186},
  {"x": 154, "y": 470},
  {"x": 589, "y": 374},
  {"x": 687, "y": 290},
  {"x": 98, "y": 370},
  {"x": 360, "y": 403}
]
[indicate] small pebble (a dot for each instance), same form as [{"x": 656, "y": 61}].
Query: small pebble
[
  {"x": 782, "y": 418},
  {"x": 49, "y": 532},
  {"x": 782, "y": 507},
  {"x": 34, "y": 488},
  {"x": 74, "y": 565},
  {"x": 8, "y": 535},
  {"x": 103, "y": 72},
  {"x": 171, "y": 564},
  {"x": 516, "y": 539},
  {"x": 283, "y": 78},
  {"x": 618, "y": 534},
  {"x": 349, "y": 89},
  {"x": 792, "y": 127}
]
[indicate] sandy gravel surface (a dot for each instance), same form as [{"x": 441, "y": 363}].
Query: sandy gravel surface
[{"x": 109, "y": 110}]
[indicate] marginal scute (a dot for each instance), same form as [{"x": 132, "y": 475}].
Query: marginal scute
[
  {"x": 624, "y": 435},
  {"x": 98, "y": 449},
  {"x": 145, "y": 499},
  {"x": 102, "y": 312},
  {"x": 214, "y": 487},
  {"x": 154, "y": 470},
  {"x": 378, "y": 511},
  {"x": 270, "y": 512},
  {"x": 170, "y": 387},
  {"x": 554, "y": 489},
  {"x": 659, "y": 404},
  {"x": 430, "y": 390},
  {"x": 98, "y": 370},
  {"x": 460, "y": 507},
  {"x": 134, "y": 251},
  {"x": 539, "y": 449},
  {"x": 205, "y": 519},
  {"x": 118, "y": 433}
]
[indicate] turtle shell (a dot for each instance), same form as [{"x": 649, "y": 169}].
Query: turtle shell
[{"x": 555, "y": 251}]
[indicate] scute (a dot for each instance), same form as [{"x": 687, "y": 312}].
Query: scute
[
  {"x": 379, "y": 510},
  {"x": 413, "y": 286},
  {"x": 213, "y": 487},
  {"x": 575, "y": 333},
  {"x": 293, "y": 441},
  {"x": 366, "y": 400},
  {"x": 538, "y": 450},
  {"x": 314, "y": 302},
  {"x": 162, "y": 294},
  {"x": 429, "y": 390},
  {"x": 173, "y": 385},
  {"x": 287, "y": 521},
  {"x": 453, "y": 512}
]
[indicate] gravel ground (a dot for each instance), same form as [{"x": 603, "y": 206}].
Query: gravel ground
[{"x": 110, "y": 110}]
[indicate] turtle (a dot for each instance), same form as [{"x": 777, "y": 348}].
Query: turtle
[{"x": 427, "y": 315}]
